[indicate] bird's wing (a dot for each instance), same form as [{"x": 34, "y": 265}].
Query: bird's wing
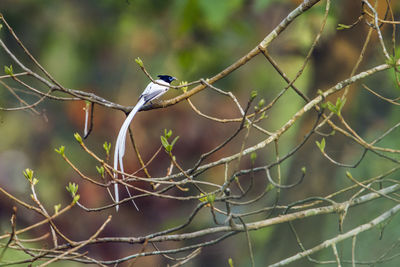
[
  {"x": 151, "y": 87},
  {"x": 153, "y": 95}
]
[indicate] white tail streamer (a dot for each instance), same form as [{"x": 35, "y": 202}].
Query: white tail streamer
[
  {"x": 152, "y": 91},
  {"x": 120, "y": 148}
]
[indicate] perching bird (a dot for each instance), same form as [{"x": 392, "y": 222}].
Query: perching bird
[{"x": 152, "y": 91}]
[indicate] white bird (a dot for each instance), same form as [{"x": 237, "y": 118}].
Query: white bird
[{"x": 152, "y": 91}]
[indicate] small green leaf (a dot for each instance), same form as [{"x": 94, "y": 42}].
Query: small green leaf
[
  {"x": 253, "y": 94},
  {"x": 203, "y": 199},
  {"x": 139, "y": 62},
  {"x": 9, "y": 70},
  {"x": 174, "y": 141},
  {"x": 230, "y": 262},
  {"x": 253, "y": 157},
  {"x": 321, "y": 145},
  {"x": 269, "y": 187},
  {"x": 348, "y": 174},
  {"x": 78, "y": 138},
  {"x": 168, "y": 133},
  {"x": 320, "y": 92},
  {"x": 107, "y": 147},
  {"x": 335, "y": 108},
  {"x": 72, "y": 188},
  {"x": 35, "y": 181},
  {"x": 100, "y": 170},
  {"x": 1, "y": 26},
  {"x": 332, "y": 107},
  {"x": 60, "y": 150},
  {"x": 211, "y": 199},
  {"x": 28, "y": 173},
  {"x": 339, "y": 105},
  {"x": 303, "y": 169},
  {"x": 164, "y": 142},
  {"x": 261, "y": 103},
  {"x": 184, "y": 88},
  {"x": 343, "y": 27},
  {"x": 57, "y": 208},
  {"x": 76, "y": 198}
]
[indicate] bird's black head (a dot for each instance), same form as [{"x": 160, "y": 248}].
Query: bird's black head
[{"x": 167, "y": 78}]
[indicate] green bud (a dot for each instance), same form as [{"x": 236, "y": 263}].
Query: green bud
[
  {"x": 269, "y": 187},
  {"x": 253, "y": 94},
  {"x": 28, "y": 173},
  {"x": 100, "y": 170},
  {"x": 9, "y": 70},
  {"x": 321, "y": 145},
  {"x": 211, "y": 198},
  {"x": 78, "y": 138},
  {"x": 60, "y": 150},
  {"x": 167, "y": 133},
  {"x": 76, "y": 198},
  {"x": 139, "y": 62},
  {"x": 72, "y": 188},
  {"x": 261, "y": 103},
  {"x": 230, "y": 262},
  {"x": 203, "y": 199},
  {"x": 107, "y": 147},
  {"x": 174, "y": 141},
  {"x": 253, "y": 157},
  {"x": 342, "y": 27},
  {"x": 303, "y": 170},
  {"x": 184, "y": 88},
  {"x": 164, "y": 142},
  {"x": 57, "y": 208}
]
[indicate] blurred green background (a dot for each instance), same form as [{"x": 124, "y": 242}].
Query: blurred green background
[{"x": 91, "y": 46}]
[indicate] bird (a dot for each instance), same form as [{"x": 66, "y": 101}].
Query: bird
[{"x": 153, "y": 90}]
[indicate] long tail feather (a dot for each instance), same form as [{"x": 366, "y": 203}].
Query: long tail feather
[{"x": 120, "y": 148}]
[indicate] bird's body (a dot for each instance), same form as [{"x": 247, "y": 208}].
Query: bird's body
[{"x": 152, "y": 91}]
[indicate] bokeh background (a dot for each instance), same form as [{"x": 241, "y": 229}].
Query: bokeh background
[{"x": 91, "y": 46}]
